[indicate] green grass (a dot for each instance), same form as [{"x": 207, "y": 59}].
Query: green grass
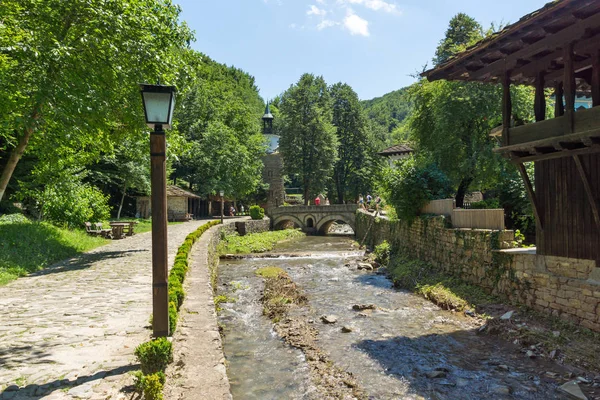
[
  {"x": 269, "y": 272},
  {"x": 256, "y": 242},
  {"x": 446, "y": 291},
  {"x": 30, "y": 247}
]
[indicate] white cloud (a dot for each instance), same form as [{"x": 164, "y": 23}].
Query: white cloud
[
  {"x": 375, "y": 5},
  {"x": 314, "y": 10},
  {"x": 326, "y": 23},
  {"x": 321, "y": 1},
  {"x": 355, "y": 24}
]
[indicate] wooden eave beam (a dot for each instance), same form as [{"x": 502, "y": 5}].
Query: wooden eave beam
[
  {"x": 517, "y": 157},
  {"x": 531, "y": 194},
  {"x": 588, "y": 189},
  {"x": 550, "y": 42}
]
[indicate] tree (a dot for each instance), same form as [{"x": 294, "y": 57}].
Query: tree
[
  {"x": 308, "y": 142},
  {"x": 353, "y": 172},
  {"x": 462, "y": 32},
  {"x": 220, "y": 119},
  {"x": 452, "y": 120},
  {"x": 72, "y": 70}
]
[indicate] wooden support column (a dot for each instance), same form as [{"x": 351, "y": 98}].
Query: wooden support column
[
  {"x": 588, "y": 189},
  {"x": 596, "y": 79},
  {"x": 531, "y": 194},
  {"x": 559, "y": 107},
  {"x": 506, "y": 108},
  {"x": 569, "y": 86},
  {"x": 540, "y": 97}
]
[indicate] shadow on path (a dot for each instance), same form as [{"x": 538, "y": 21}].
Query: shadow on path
[
  {"x": 85, "y": 261},
  {"x": 34, "y": 391}
]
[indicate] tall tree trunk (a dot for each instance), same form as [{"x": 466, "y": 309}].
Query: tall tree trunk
[
  {"x": 462, "y": 190},
  {"x": 122, "y": 200},
  {"x": 305, "y": 189},
  {"x": 17, "y": 153}
]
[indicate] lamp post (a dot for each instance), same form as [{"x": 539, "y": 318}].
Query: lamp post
[
  {"x": 222, "y": 193},
  {"x": 159, "y": 101}
]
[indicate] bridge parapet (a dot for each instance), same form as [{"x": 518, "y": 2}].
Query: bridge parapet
[{"x": 315, "y": 218}]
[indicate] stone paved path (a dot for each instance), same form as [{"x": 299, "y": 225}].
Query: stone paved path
[{"x": 70, "y": 330}]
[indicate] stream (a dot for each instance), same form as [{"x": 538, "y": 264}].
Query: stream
[{"x": 407, "y": 348}]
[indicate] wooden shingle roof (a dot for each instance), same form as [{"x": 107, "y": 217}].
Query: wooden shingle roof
[
  {"x": 175, "y": 191},
  {"x": 396, "y": 149}
]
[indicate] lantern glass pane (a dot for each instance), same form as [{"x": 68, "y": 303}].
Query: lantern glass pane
[{"x": 157, "y": 107}]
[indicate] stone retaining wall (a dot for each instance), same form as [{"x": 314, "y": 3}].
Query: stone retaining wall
[
  {"x": 253, "y": 226},
  {"x": 567, "y": 288}
]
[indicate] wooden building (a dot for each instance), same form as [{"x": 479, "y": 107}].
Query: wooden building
[
  {"x": 557, "y": 47},
  {"x": 181, "y": 205}
]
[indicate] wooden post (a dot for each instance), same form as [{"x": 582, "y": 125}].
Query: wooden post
[
  {"x": 559, "y": 107},
  {"x": 569, "y": 86},
  {"x": 596, "y": 79},
  {"x": 531, "y": 194},
  {"x": 160, "y": 280},
  {"x": 588, "y": 189},
  {"x": 506, "y": 108},
  {"x": 222, "y": 209},
  {"x": 540, "y": 97}
]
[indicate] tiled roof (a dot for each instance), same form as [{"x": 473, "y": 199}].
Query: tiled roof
[
  {"x": 396, "y": 149},
  {"x": 175, "y": 191}
]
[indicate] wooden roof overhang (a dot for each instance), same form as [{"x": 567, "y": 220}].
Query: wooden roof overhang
[{"x": 557, "y": 46}]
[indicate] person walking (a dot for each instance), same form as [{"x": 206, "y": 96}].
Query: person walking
[
  {"x": 242, "y": 209},
  {"x": 317, "y": 201},
  {"x": 369, "y": 199},
  {"x": 361, "y": 201}
]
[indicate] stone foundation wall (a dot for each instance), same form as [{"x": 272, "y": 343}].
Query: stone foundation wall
[
  {"x": 253, "y": 226},
  {"x": 567, "y": 288}
]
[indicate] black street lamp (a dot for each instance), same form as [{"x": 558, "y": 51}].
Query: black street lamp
[
  {"x": 159, "y": 102},
  {"x": 222, "y": 193}
]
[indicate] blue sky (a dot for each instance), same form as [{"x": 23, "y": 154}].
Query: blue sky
[{"x": 373, "y": 45}]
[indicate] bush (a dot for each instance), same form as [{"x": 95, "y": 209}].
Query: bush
[
  {"x": 14, "y": 219},
  {"x": 485, "y": 204},
  {"x": 257, "y": 212},
  {"x": 72, "y": 204},
  {"x": 411, "y": 186},
  {"x": 150, "y": 386},
  {"x": 382, "y": 253},
  {"x": 155, "y": 355}
]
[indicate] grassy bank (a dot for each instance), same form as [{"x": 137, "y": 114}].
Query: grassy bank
[
  {"x": 256, "y": 242},
  {"x": 547, "y": 336},
  {"x": 27, "y": 247}
]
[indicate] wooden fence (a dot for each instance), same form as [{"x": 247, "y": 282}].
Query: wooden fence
[
  {"x": 466, "y": 218},
  {"x": 439, "y": 207},
  {"x": 478, "y": 219}
]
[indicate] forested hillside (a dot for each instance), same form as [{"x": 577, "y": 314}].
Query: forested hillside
[{"x": 388, "y": 113}]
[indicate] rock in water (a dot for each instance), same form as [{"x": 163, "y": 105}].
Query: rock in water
[
  {"x": 507, "y": 316},
  {"x": 436, "y": 374},
  {"x": 346, "y": 329},
  {"x": 329, "y": 319},
  {"x": 365, "y": 266},
  {"x": 572, "y": 389},
  {"x": 360, "y": 307}
]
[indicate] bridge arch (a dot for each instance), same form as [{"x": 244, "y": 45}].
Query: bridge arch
[
  {"x": 325, "y": 223},
  {"x": 284, "y": 218}
]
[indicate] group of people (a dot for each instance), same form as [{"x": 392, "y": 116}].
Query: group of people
[
  {"x": 370, "y": 201},
  {"x": 318, "y": 201}
]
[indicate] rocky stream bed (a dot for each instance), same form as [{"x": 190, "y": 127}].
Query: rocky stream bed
[{"x": 382, "y": 342}]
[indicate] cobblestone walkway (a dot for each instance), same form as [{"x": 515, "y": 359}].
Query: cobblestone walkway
[{"x": 70, "y": 331}]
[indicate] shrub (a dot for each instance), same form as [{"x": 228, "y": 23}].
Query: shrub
[
  {"x": 485, "y": 204},
  {"x": 173, "y": 315},
  {"x": 382, "y": 253},
  {"x": 14, "y": 219},
  {"x": 411, "y": 186},
  {"x": 155, "y": 355},
  {"x": 257, "y": 212},
  {"x": 72, "y": 203},
  {"x": 150, "y": 386}
]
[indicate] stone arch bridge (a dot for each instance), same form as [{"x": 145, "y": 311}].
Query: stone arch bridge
[{"x": 314, "y": 219}]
